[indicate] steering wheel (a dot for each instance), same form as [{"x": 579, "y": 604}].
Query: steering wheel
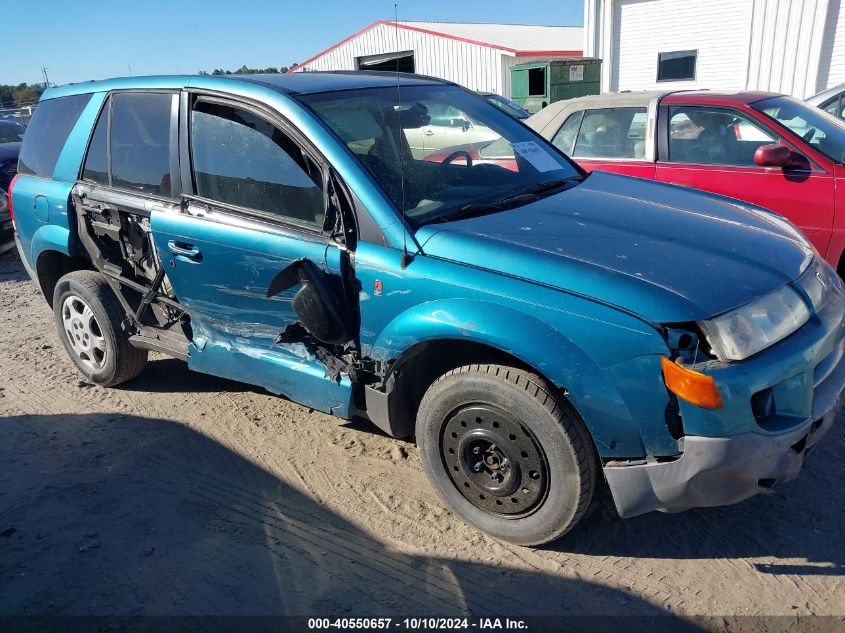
[
  {"x": 809, "y": 134},
  {"x": 455, "y": 155}
]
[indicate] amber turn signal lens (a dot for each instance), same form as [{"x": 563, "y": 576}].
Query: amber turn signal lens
[{"x": 698, "y": 389}]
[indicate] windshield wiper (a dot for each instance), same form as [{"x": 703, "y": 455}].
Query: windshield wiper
[
  {"x": 480, "y": 208},
  {"x": 519, "y": 197},
  {"x": 547, "y": 185}
]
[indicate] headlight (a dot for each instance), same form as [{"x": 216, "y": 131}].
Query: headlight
[{"x": 751, "y": 328}]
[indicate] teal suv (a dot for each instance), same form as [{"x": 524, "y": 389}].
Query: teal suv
[{"x": 537, "y": 329}]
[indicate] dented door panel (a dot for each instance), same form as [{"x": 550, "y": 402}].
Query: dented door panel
[{"x": 221, "y": 267}]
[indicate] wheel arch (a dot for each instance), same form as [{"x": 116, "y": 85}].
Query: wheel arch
[{"x": 52, "y": 265}]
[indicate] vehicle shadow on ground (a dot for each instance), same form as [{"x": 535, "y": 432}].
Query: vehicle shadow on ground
[
  {"x": 169, "y": 375},
  {"x": 801, "y": 520},
  {"x": 123, "y": 515},
  {"x": 794, "y": 522}
]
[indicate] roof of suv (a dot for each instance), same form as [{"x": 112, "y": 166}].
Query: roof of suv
[{"x": 291, "y": 83}]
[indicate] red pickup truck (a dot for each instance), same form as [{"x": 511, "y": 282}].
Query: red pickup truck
[{"x": 767, "y": 149}]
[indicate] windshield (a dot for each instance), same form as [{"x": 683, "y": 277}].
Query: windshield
[
  {"x": 437, "y": 139},
  {"x": 819, "y": 129},
  {"x": 11, "y": 133}
]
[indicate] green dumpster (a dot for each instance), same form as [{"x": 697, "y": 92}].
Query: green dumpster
[{"x": 534, "y": 85}]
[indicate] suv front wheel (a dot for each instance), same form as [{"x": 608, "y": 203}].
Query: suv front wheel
[
  {"x": 88, "y": 318},
  {"x": 506, "y": 453}
]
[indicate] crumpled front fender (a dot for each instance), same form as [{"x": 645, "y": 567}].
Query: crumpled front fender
[{"x": 534, "y": 342}]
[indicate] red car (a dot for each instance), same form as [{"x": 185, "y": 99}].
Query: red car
[{"x": 763, "y": 148}]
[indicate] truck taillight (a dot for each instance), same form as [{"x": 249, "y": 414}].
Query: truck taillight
[{"x": 11, "y": 209}]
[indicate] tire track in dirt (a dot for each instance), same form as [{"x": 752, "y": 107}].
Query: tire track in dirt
[{"x": 391, "y": 568}]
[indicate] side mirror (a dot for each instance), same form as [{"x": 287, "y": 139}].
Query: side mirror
[{"x": 777, "y": 155}]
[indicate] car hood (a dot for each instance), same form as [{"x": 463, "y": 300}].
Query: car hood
[
  {"x": 667, "y": 253},
  {"x": 9, "y": 150}
]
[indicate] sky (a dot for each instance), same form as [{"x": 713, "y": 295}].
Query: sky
[{"x": 96, "y": 39}]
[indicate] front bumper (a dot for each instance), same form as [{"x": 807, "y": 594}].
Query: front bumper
[
  {"x": 721, "y": 469},
  {"x": 714, "y": 471}
]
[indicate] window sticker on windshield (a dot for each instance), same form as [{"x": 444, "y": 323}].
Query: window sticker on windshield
[{"x": 539, "y": 158}]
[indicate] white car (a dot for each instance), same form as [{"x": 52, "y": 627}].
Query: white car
[{"x": 447, "y": 127}]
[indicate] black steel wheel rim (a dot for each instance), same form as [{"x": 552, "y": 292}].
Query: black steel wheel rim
[{"x": 494, "y": 461}]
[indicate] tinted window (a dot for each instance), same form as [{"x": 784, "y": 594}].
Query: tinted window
[
  {"x": 97, "y": 161},
  {"x": 11, "y": 133},
  {"x": 714, "y": 136},
  {"x": 47, "y": 133},
  {"x": 675, "y": 66},
  {"x": 612, "y": 133},
  {"x": 140, "y": 142},
  {"x": 241, "y": 159}
]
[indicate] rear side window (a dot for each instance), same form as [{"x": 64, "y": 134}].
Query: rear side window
[
  {"x": 140, "y": 142},
  {"x": 97, "y": 161},
  {"x": 138, "y": 151},
  {"x": 243, "y": 160},
  {"x": 612, "y": 133},
  {"x": 47, "y": 134}
]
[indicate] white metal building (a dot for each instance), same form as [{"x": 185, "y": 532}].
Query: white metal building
[
  {"x": 477, "y": 56},
  {"x": 795, "y": 47}
]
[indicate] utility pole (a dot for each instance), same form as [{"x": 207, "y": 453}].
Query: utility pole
[{"x": 46, "y": 79}]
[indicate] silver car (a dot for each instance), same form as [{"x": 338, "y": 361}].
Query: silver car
[{"x": 831, "y": 101}]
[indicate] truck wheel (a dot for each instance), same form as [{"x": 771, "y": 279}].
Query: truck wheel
[
  {"x": 88, "y": 318},
  {"x": 505, "y": 453}
]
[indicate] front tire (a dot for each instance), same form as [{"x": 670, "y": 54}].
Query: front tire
[
  {"x": 506, "y": 453},
  {"x": 88, "y": 318}
]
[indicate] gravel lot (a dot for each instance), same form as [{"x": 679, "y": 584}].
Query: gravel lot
[{"x": 180, "y": 493}]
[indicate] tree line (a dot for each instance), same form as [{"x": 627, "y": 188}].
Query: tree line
[
  {"x": 20, "y": 95},
  {"x": 244, "y": 70},
  {"x": 17, "y": 96}
]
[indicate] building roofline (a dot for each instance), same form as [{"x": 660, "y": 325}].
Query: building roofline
[
  {"x": 406, "y": 26},
  {"x": 572, "y": 53}
]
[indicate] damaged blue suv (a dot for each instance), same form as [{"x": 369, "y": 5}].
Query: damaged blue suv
[{"x": 536, "y": 328}]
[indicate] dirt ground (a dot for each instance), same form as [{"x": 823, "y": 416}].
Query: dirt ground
[{"x": 180, "y": 493}]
